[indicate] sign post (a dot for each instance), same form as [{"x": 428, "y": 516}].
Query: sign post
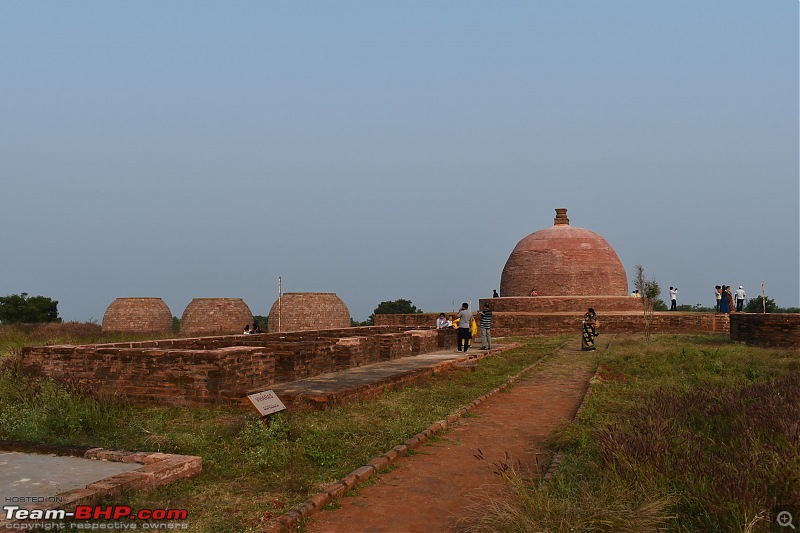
[
  {"x": 266, "y": 403},
  {"x": 280, "y": 293}
]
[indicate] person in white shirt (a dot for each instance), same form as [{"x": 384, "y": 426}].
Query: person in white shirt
[
  {"x": 739, "y": 297},
  {"x": 464, "y": 331},
  {"x": 673, "y": 295},
  {"x": 442, "y": 322}
]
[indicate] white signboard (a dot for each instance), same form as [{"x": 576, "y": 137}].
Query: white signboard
[{"x": 266, "y": 402}]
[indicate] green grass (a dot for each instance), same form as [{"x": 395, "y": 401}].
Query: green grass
[
  {"x": 250, "y": 472},
  {"x": 684, "y": 434}
]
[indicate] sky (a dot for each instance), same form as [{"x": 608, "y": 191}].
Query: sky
[{"x": 386, "y": 150}]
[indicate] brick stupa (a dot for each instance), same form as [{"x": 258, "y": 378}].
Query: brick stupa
[
  {"x": 571, "y": 269},
  {"x": 137, "y": 315},
  {"x": 209, "y": 316},
  {"x": 304, "y": 311}
]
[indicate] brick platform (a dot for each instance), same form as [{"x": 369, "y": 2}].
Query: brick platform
[
  {"x": 522, "y": 324},
  {"x": 329, "y": 390},
  {"x": 222, "y": 370}
]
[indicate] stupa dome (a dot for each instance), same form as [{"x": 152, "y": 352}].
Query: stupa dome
[
  {"x": 304, "y": 311},
  {"x": 215, "y": 315},
  {"x": 138, "y": 315},
  {"x": 563, "y": 261}
]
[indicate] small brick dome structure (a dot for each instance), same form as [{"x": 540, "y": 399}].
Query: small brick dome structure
[
  {"x": 563, "y": 261},
  {"x": 303, "y": 311},
  {"x": 215, "y": 316},
  {"x": 137, "y": 315}
]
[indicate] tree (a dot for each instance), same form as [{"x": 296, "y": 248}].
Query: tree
[
  {"x": 394, "y": 307},
  {"x": 756, "y": 305},
  {"x": 397, "y": 307},
  {"x": 262, "y": 321},
  {"x": 19, "y": 308},
  {"x": 650, "y": 291}
]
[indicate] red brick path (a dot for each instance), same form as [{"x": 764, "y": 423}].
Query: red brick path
[{"x": 430, "y": 489}]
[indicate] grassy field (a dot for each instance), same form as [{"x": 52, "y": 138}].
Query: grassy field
[
  {"x": 684, "y": 434},
  {"x": 250, "y": 472}
]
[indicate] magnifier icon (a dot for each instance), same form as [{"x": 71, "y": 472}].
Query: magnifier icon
[{"x": 784, "y": 519}]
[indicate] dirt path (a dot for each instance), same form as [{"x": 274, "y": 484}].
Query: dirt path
[{"x": 430, "y": 489}]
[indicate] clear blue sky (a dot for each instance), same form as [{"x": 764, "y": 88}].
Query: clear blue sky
[{"x": 385, "y": 150}]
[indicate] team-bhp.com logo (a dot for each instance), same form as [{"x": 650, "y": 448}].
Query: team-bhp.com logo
[{"x": 122, "y": 514}]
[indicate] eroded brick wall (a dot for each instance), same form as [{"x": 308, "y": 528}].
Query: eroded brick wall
[
  {"x": 779, "y": 330},
  {"x": 223, "y": 370}
]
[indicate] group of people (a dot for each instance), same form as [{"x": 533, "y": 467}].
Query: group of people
[
  {"x": 727, "y": 301},
  {"x": 467, "y": 327},
  {"x": 248, "y": 331}
]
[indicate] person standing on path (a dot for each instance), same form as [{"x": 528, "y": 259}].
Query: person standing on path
[
  {"x": 673, "y": 295},
  {"x": 740, "y": 296},
  {"x": 589, "y": 330},
  {"x": 718, "y": 295},
  {"x": 486, "y": 328},
  {"x": 464, "y": 332}
]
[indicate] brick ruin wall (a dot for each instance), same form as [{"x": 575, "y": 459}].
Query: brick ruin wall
[
  {"x": 138, "y": 315},
  {"x": 774, "y": 330},
  {"x": 207, "y": 371},
  {"x": 522, "y": 324}
]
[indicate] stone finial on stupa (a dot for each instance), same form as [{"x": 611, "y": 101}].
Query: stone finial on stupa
[{"x": 561, "y": 217}]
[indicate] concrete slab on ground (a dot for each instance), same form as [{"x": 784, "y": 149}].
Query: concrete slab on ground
[
  {"x": 26, "y": 477},
  {"x": 334, "y": 388}
]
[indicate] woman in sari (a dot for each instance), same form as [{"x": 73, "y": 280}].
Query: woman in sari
[
  {"x": 724, "y": 303},
  {"x": 589, "y": 330},
  {"x": 729, "y": 296}
]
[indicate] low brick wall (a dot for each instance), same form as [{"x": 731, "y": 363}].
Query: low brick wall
[
  {"x": 507, "y": 324},
  {"x": 779, "y": 330},
  {"x": 415, "y": 320},
  {"x": 223, "y": 370},
  {"x": 521, "y": 324}
]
